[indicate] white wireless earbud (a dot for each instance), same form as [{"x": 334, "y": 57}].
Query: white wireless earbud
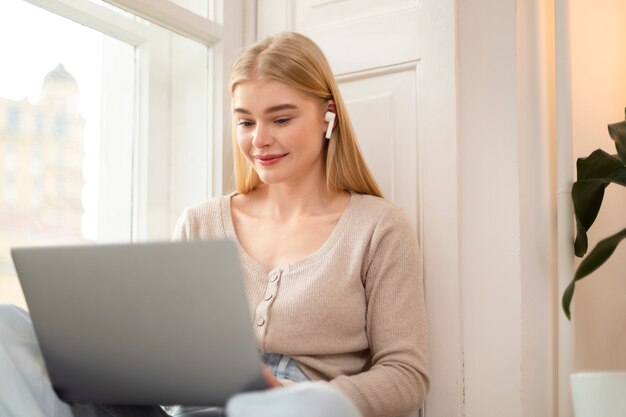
[{"x": 330, "y": 118}]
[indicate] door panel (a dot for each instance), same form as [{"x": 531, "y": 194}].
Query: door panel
[
  {"x": 383, "y": 109},
  {"x": 319, "y": 13}
]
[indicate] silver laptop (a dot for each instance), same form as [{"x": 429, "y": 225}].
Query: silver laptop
[{"x": 151, "y": 323}]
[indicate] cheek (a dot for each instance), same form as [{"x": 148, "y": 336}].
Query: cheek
[
  {"x": 306, "y": 136},
  {"x": 244, "y": 142}
]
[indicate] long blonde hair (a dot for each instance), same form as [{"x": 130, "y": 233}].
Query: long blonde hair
[{"x": 295, "y": 60}]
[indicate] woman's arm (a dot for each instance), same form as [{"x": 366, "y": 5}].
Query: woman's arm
[{"x": 397, "y": 381}]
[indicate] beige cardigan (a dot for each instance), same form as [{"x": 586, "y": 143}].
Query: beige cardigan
[{"x": 351, "y": 313}]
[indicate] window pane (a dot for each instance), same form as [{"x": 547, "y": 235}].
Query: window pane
[
  {"x": 203, "y": 8},
  {"x": 61, "y": 88},
  {"x": 199, "y": 7}
]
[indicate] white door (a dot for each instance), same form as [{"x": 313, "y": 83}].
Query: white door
[{"x": 395, "y": 63}]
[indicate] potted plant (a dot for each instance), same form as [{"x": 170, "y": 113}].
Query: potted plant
[{"x": 596, "y": 393}]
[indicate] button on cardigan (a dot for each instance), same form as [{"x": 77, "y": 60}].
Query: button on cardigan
[{"x": 352, "y": 313}]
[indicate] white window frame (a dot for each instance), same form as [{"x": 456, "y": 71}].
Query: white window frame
[{"x": 163, "y": 182}]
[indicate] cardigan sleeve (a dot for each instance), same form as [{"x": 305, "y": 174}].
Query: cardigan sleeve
[
  {"x": 182, "y": 229},
  {"x": 200, "y": 221},
  {"x": 397, "y": 380}
]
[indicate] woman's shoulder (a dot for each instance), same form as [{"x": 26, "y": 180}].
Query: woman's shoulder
[
  {"x": 211, "y": 205},
  {"x": 372, "y": 207},
  {"x": 377, "y": 217},
  {"x": 201, "y": 220},
  {"x": 387, "y": 225}
]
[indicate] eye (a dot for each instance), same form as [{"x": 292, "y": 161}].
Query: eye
[
  {"x": 282, "y": 120},
  {"x": 245, "y": 123}
]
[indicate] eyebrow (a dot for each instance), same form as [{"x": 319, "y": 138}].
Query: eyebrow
[{"x": 273, "y": 109}]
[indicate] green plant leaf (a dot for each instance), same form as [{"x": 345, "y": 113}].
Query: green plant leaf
[
  {"x": 580, "y": 242},
  {"x": 618, "y": 176},
  {"x": 598, "y": 165},
  {"x": 618, "y": 134},
  {"x": 587, "y": 197},
  {"x": 594, "y": 174},
  {"x": 598, "y": 256},
  {"x": 567, "y": 299}
]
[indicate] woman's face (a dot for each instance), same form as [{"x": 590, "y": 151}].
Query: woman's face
[{"x": 280, "y": 131}]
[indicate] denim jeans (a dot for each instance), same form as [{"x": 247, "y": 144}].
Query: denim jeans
[{"x": 283, "y": 367}]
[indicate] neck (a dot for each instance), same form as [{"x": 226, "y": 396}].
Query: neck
[{"x": 284, "y": 201}]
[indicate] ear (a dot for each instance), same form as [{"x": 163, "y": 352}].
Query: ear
[{"x": 331, "y": 106}]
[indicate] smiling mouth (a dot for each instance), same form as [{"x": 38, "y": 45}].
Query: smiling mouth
[{"x": 268, "y": 158}]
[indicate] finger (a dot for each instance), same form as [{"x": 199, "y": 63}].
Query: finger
[{"x": 270, "y": 378}]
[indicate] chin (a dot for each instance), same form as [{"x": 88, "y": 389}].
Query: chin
[{"x": 270, "y": 179}]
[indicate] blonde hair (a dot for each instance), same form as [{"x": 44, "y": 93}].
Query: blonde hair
[{"x": 297, "y": 62}]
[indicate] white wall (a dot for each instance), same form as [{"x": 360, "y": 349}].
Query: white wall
[
  {"x": 490, "y": 215},
  {"x": 440, "y": 208},
  {"x": 536, "y": 129},
  {"x": 507, "y": 206}
]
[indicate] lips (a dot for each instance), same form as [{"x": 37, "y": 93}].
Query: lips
[{"x": 269, "y": 159}]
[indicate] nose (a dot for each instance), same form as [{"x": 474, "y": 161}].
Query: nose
[{"x": 262, "y": 136}]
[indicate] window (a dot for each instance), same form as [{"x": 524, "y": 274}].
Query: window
[
  {"x": 13, "y": 119},
  {"x": 60, "y": 127},
  {"x": 38, "y": 124},
  {"x": 111, "y": 116}
]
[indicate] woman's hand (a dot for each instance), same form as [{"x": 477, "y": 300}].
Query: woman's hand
[{"x": 270, "y": 378}]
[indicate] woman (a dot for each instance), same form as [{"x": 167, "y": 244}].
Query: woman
[{"x": 332, "y": 270}]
